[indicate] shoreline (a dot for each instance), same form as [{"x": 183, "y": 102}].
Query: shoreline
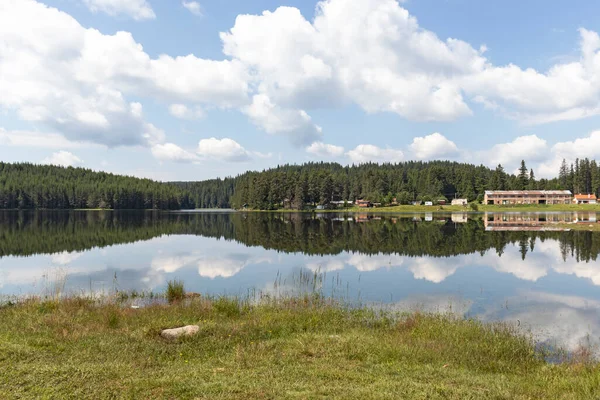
[
  {"x": 441, "y": 209},
  {"x": 307, "y": 345}
]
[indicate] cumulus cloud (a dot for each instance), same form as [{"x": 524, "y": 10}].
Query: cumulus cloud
[
  {"x": 193, "y": 6},
  {"x": 325, "y": 266},
  {"x": 583, "y": 147},
  {"x": 172, "y": 152},
  {"x": 370, "y": 52},
  {"x": 325, "y": 150},
  {"x": 375, "y": 54},
  {"x": 184, "y": 112},
  {"x": 37, "y": 139},
  {"x": 222, "y": 149},
  {"x": 280, "y": 67},
  {"x": 433, "y": 146},
  {"x": 529, "y": 148},
  {"x": 273, "y": 119},
  {"x": 63, "y": 158},
  {"x": 369, "y": 153},
  {"x": 566, "y": 321},
  {"x": 566, "y": 91},
  {"x": 75, "y": 80},
  {"x": 579, "y": 148},
  {"x": 64, "y": 258},
  {"x": 136, "y": 9}
]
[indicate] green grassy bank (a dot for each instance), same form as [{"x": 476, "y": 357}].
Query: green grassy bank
[
  {"x": 302, "y": 348},
  {"x": 451, "y": 208}
]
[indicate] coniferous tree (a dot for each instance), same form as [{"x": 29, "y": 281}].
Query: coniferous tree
[
  {"x": 532, "y": 184},
  {"x": 523, "y": 177},
  {"x": 563, "y": 175}
]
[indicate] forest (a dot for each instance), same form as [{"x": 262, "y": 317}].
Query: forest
[
  {"x": 48, "y": 232},
  {"x": 298, "y": 186},
  {"x": 29, "y": 186}
]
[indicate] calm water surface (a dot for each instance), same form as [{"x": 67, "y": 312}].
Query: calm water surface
[{"x": 524, "y": 268}]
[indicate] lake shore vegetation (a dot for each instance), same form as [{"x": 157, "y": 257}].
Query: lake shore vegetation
[{"x": 300, "y": 347}]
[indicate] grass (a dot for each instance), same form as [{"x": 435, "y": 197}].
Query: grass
[
  {"x": 175, "y": 291},
  {"x": 451, "y": 208},
  {"x": 295, "y": 348}
]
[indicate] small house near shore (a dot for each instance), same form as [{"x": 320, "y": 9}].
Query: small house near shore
[
  {"x": 460, "y": 202},
  {"x": 585, "y": 199},
  {"x": 514, "y": 197},
  {"x": 364, "y": 204}
]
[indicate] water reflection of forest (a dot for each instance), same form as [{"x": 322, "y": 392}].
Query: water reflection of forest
[{"x": 438, "y": 235}]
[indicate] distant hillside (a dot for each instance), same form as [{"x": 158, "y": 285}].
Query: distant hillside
[
  {"x": 291, "y": 186},
  {"x": 294, "y": 186},
  {"x": 28, "y": 186}
]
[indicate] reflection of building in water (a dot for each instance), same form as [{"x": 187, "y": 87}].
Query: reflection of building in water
[
  {"x": 535, "y": 221},
  {"x": 586, "y": 217},
  {"x": 508, "y": 197},
  {"x": 460, "y": 218}
]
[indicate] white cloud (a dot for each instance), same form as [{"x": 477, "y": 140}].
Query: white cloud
[
  {"x": 280, "y": 67},
  {"x": 296, "y": 124},
  {"x": 222, "y": 149},
  {"x": 433, "y": 146},
  {"x": 172, "y": 152},
  {"x": 367, "y": 152},
  {"x": 75, "y": 80},
  {"x": 37, "y": 139},
  {"x": 325, "y": 266},
  {"x": 220, "y": 267},
  {"x": 433, "y": 270},
  {"x": 566, "y": 321},
  {"x": 370, "y": 52},
  {"x": 172, "y": 263},
  {"x": 369, "y": 263},
  {"x": 65, "y": 258},
  {"x": 325, "y": 150},
  {"x": 567, "y": 91},
  {"x": 579, "y": 148},
  {"x": 183, "y": 112},
  {"x": 374, "y": 53},
  {"x": 529, "y": 148},
  {"x": 136, "y": 9},
  {"x": 193, "y": 6},
  {"x": 63, "y": 158}
]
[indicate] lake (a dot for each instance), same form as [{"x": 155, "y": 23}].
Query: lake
[{"x": 524, "y": 268}]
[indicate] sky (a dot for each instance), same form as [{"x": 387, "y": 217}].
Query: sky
[{"x": 193, "y": 90}]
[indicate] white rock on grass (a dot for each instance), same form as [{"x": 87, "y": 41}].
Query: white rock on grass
[{"x": 176, "y": 333}]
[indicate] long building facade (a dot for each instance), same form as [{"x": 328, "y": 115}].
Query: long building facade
[{"x": 513, "y": 197}]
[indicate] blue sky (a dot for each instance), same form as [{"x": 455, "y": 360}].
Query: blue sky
[{"x": 185, "y": 90}]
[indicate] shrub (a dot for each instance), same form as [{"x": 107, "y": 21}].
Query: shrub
[{"x": 175, "y": 291}]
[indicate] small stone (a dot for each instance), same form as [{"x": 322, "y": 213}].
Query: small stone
[{"x": 172, "y": 334}]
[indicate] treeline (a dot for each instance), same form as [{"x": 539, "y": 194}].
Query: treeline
[
  {"x": 213, "y": 193},
  {"x": 295, "y": 186},
  {"x": 29, "y": 186},
  {"x": 46, "y": 232}
]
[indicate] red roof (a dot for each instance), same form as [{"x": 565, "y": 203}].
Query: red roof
[{"x": 585, "y": 197}]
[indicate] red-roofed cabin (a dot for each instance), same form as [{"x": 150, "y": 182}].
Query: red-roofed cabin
[
  {"x": 364, "y": 203},
  {"x": 585, "y": 199}
]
